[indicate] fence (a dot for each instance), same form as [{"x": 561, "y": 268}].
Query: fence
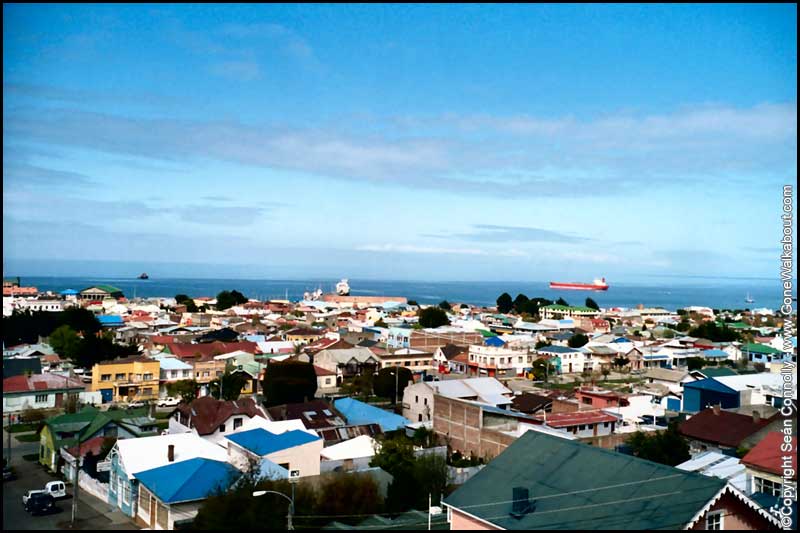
[{"x": 93, "y": 486}]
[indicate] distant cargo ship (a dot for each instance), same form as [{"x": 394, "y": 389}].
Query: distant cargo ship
[
  {"x": 596, "y": 285},
  {"x": 144, "y": 275}
]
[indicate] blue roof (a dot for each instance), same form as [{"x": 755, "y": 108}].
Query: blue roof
[
  {"x": 108, "y": 320},
  {"x": 709, "y": 384},
  {"x": 621, "y": 339},
  {"x": 714, "y": 353},
  {"x": 69, "y": 292},
  {"x": 269, "y": 470},
  {"x": 557, "y": 349},
  {"x": 357, "y": 413},
  {"x": 173, "y": 363},
  {"x": 656, "y": 357},
  {"x": 194, "y": 479},
  {"x": 261, "y": 442},
  {"x": 494, "y": 341}
]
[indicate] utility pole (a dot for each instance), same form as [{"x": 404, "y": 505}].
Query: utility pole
[{"x": 429, "y": 511}]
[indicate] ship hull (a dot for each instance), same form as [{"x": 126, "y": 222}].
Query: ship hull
[{"x": 578, "y": 286}]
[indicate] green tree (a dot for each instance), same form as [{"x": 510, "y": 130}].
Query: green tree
[
  {"x": 183, "y": 299},
  {"x": 519, "y": 302},
  {"x": 592, "y": 304},
  {"x": 542, "y": 369},
  {"x": 561, "y": 301},
  {"x": 695, "y": 363},
  {"x": 621, "y": 361},
  {"x": 359, "y": 385},
  {"x": 542, "y": 344},
  {"x": 381, "y": 324},
  {"x": 714, "y": 332},
  {"x": 232, "y": 385},
  {"x": 289, "y": 382},
  {"x": 577, "y": 340},
  {"x": 185, "y": 389},
  {"x": 444, "y": 304},
  {"x": 227, "y": 299},
  {"x": 385, "y": 379},
  {"x": 433, "y": 317},
  {"x": 504, "y": 303},
  {"x": 665, "y": 447},
  {"x": 65, "y": 342}
]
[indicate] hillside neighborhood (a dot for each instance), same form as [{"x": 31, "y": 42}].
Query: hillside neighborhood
[{"x": 174, "y": 412}]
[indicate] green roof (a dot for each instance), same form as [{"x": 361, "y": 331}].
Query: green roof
[
  {"x": 717, "y": 371},
  {"x": 752, "y": 347},
  {"x": 89, "y": 421},
  {"x": 735, "y": 325},
  {"x": 106, "y": 288},
  {"x": 559, "y": 307},
  {"x": 410, "y": 520},
  {"x": 576, "y": 486},
  {"x": 486, "y": 333}
]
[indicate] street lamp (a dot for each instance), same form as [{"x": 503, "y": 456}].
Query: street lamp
[{"x": 258, "y": 493}]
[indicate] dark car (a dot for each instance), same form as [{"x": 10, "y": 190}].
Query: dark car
[
  {"x": 8, "y": 474},
  {"x": 40, "y": 503}
]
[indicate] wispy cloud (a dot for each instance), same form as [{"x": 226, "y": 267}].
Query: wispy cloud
[
  {"x": 492, "y": 233},
  {"x": 566, "y": 158},
  {"x": 414, "y": 249},
  {"x": 20, "y": 174}
]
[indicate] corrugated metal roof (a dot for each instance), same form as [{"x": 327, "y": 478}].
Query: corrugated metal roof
[
  {"x": 190, "y": 480},
  {"x": 261, "y": 442}
]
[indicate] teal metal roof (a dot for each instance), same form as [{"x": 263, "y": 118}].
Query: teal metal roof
[{"x": 576, "y": 486}]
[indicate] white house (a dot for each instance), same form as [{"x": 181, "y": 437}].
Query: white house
[{"x": 293, "y": 450}]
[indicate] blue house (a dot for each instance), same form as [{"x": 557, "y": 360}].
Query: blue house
[
  {"x": 174, "y": 492},
  {"x": 497, "y": 342},
  {"x": 704, "y": 393},
  {"x": 358, "y": 413}
]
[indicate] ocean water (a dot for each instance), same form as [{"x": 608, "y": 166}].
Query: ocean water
[{"x": 667, "y": 292}]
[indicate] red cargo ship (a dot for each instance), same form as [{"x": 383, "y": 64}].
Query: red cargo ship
[{"x": 596, "y": 285}]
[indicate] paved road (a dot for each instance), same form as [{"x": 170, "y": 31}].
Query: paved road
[{"x": 92, "y": 514}]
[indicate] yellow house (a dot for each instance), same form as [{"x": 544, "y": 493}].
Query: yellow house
[{"x": 129, "y": 379}]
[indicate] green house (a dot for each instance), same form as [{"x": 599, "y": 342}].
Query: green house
[{"x": 65, "y": 430}]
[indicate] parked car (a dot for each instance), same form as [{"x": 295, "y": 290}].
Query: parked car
[
  {"x": 40, "y": 503},
  {"x": 8, "y": 473},
  {"x": 56, "y": 489},
  {"x": 169, "y": 401},
  {"x": 136, "y": 403}
]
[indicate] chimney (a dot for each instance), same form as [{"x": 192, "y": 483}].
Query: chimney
[
  {"x": 521, "y": 505},
  {"x": 756, "y": 417},
  {"x": 171, "y": 453},
  {"x": 717, "y": 408}
]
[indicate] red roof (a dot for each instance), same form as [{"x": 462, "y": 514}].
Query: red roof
[
  {"x": 576, "y": 418},
  {"x": 185, "y": 349},
  {"x": 323, "y": 372},
  {"x": 206, "y": 414},
  {"x": 725, "y": 428},
  {"x": 768, "y": 456},
  {"x": 93, "y": 445},
  {"x": 38, "y": 382}
]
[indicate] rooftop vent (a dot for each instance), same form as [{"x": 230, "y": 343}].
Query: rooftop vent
[{"x": 521, "y": 504}]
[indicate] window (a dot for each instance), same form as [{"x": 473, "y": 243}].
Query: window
[
  {"x": 519, "y": 359},
  {"x": 714, "y": 520},
  {"x": 416, "y": 399},
  {"x": 327, "y": 381},
  {"x": 419, "y": 418},
  {"x": 41, "y": 398},
  {"x": 105, "y": 377},
  {"x": 119, "y": 376},
  {"x": 237, "y": 423},
  {"x": 222, "y": 428},
  {"x": 766, "y": 486},
  {"x": 126, "y": 493},
  {"x": 425, "y": 401}
]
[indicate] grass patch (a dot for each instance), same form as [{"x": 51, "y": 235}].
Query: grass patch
[
  {"x": 31, "y": 457},
  {"x": 27, "y": 437},
  {"x": 162, "y": 424},
  {"x": 23, "y": 428},
  {"x": 163, "y": 416}
]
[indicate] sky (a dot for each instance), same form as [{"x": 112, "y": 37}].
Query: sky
[{"x": 472, "y": 142}]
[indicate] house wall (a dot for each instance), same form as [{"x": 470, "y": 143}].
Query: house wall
[
  {"x": 695, "y": 399},
  {"x": 460, "y": 424},
  {"x": 130, "y": 370},
  {"x": 563, "y": 406},
  {"x": 17, "y": 402},
  {"x": 122, "y": 492},
  {"x": 460, "y": 521},
  {"x": 304, "y": 458},
  {"x": 738, "y": 516},
  {"x": 418, "y": 402}
]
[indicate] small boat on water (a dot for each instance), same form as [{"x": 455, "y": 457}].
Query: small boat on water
[
  {"x": 748, "y": 299},
  {"x": 343, "y": 288},
  {"x": 596, "y": 285},
  {"x": 143, "y": 275}
]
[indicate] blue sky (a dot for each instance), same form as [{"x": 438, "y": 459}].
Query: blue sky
[{"x": 401, "y": 142}]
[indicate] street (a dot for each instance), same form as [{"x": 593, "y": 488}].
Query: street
[{"x": 92, "y": 513}]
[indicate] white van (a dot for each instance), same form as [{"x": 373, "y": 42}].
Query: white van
[{"x": 56, "y": 489}]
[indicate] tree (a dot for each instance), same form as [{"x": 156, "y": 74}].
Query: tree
[
  {"x": 504, "y": 303},
  {"x": 381, "y": 324},
  {"x": 542, "y": 369},
  {"x": 542, "y": 344},
  {"x": 519, "y": 302},
  {"x": 185, "y": 389},
  {"x": 183, "y": 299},
  {"x": 359, "y": 385},
  {"x": 433, "y": 317},
  {"x": 232, "y": 385},
  {"x": 444, "y": 304},
  {"x": 227, "y": 299},
  {"x": 621, "y": 361},
  {"x": 714, "y": 332},
  {"x": 65, "y": 342},
  {"x": 695, "y": 363},
  {"x": 289, "y": 382},
  {"x": 578, "y": 340},
  {"x": 605, "y": 371},
  {"x": 385, "y": 379},
  {"x": 592, "y": 304},
  {"x": 666, "y": 447},
  {"x": 561, "y": 301}
]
